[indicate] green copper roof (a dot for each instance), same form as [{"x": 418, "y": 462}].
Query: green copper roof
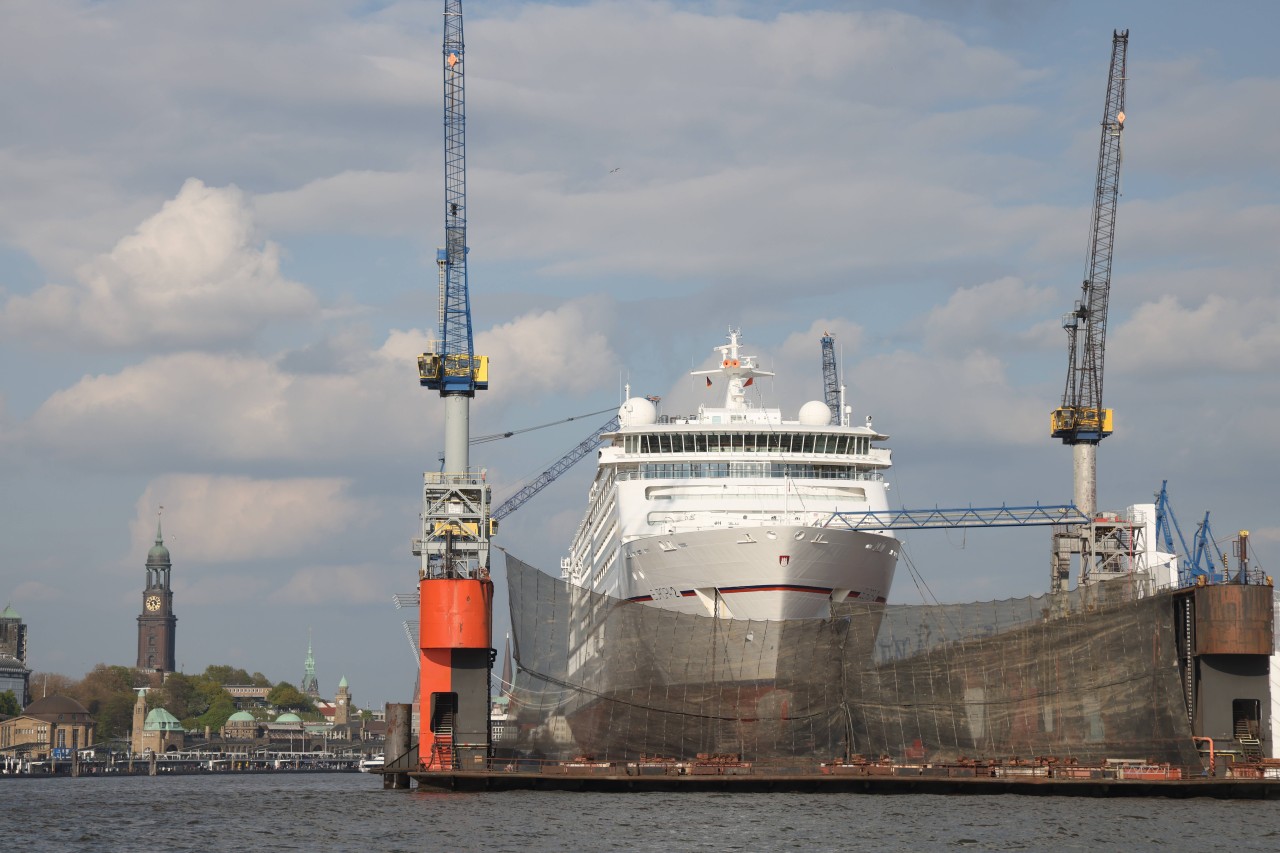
[
  {"x": 158, "y": 719},
  {"x": 240, "y": 717},
  {"x": 288, "y": 718},
  {"x": 342, "y": 682},
  {"x": 9, "y": 613},
  {"x": 158, "y": 552}
]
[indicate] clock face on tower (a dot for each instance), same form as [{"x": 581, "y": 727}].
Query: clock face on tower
[{"x": 153, "y": 603}]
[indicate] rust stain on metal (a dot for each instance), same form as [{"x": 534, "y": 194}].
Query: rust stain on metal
[{"x": 1233, "y": 619}]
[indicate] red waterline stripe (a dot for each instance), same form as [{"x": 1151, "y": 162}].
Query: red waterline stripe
[
  {"x": 777, "y": 588},
  {"x": 821, "y": 590}
]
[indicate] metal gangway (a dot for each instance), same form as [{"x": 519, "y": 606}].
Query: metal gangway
[{"x": 937, "y": 518}]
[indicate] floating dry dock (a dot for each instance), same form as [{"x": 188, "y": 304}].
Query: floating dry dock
[
  {"x": 1111, "y": 690},
  {"x": 1115, "y": 779}
]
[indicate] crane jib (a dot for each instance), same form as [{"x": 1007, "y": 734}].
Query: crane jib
[
  {"x": 452, "y": 367},
  {"x": 1082, "y": 418}
]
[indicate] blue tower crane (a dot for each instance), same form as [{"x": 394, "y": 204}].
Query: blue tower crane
[
  {"x": 456, "y": 522},
  {"x": 1206, "y": 549},
  {"x": 1198, "y": 560},
  {"x": 1167, "y": 525},
  {"x": 454, "y": 369}
]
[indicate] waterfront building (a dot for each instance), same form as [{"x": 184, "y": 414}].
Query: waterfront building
[
  {"x": 156, "y": 730},
  {"x": 14, "y": 674},
  {"x": 288, "y": 731},
  {"x": 54, "y": 722},
  {"x": 241, "y": 726},
  {"x": 157, "y": 626},
  {"x": 248, "y": 695}
]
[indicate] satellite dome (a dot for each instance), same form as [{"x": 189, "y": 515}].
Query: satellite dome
[
  {"x": 637, "y": 411},
  {"x": 815, "y": 413}
]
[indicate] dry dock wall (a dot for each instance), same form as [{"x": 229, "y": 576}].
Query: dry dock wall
[{"x": 1084, "y": 675}]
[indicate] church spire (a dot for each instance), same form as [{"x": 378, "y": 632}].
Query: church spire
[
  {"x": 310, "y": 684},
  {"x": 159, "y": 532}
]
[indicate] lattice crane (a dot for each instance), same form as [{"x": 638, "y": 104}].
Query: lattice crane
[
  {"x": 830, "y": 379},
  {"x": 456, "y": 521},
  {"x": 1081, "y": 420},
  {"x": 454, "y": 369},
  {"x": 549, "y": 476}
]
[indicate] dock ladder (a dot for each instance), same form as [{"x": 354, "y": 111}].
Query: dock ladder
[{"x": 442, "y": 755}]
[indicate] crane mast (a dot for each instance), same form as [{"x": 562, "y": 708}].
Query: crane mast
[
  {"x": 454, "y": 369},
  {"x": 830, "y": 380},
  {"x": 456, "y": 520},
  {"x": 1081, "y": 421}
]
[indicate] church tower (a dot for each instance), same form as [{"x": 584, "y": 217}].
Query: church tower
[
  {"x": 310, "y": 684},
  {"x": 157, "y": 625},
  {"x": 342, "y": 704}
]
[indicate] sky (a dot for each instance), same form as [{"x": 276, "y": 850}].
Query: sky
[{"x": 217, "y": 268}]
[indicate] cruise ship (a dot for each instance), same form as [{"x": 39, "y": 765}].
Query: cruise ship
[
  {"x": 723, "y": 513},
  {"x": 704, "y": 572}
]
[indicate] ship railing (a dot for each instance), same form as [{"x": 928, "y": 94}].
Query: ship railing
[
  {"x": 466, "y": 478},
  {"x": 727, "y": 470}
]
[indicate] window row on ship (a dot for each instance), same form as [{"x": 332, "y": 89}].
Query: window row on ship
[
  {"x": 746, "y": 442},
  {"x": 590, "y": 538},
  {"x": 719, "y": 470},
  {"x": 597, "y": 508}
]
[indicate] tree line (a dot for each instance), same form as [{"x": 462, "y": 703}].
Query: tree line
[{"x": 108, "y": 693}]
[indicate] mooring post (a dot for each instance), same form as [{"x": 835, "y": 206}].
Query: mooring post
[{"x": 396, "y": 749}]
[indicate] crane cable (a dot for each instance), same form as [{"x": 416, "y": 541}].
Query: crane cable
[{"x": 498, "y": 436}]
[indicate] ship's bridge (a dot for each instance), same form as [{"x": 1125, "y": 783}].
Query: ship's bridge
[{"x": 733, "y": 416}]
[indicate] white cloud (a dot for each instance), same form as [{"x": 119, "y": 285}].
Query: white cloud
[
  {"x": 361, "y": 202},
  {"x": 1222, "y": 334},
  {"x": 219, "y": 519},
  {"x": 976, "y": 316},
  {"x": 565, "y": 349},
  {"x": 966, "y": 399},
  {"x": 192, "y": 275},
  {"x": 195, "y": 408},
  {"x": 804, "y": 348},
  {"x": 1189, "y": 112}
]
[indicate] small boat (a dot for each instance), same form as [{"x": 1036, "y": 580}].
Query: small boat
[{"x": 372, "y": 763}]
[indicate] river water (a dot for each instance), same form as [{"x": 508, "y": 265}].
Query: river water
[{"x": 348, "y": 811}]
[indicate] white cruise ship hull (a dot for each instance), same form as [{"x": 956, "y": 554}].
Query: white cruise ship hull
[{"x": 759, "y": 573}]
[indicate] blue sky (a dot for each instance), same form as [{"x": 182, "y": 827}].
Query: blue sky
[{"x": 217, "y": 265}]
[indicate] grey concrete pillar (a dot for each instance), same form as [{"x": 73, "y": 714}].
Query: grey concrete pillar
[{"x": 396, "y": 748}]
